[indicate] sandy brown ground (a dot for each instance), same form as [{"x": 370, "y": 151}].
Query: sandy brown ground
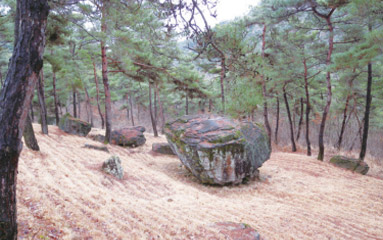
[{"x": 62, "y": 194}]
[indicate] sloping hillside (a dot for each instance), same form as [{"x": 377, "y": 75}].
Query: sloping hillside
[{"x": 62, "y": 194}]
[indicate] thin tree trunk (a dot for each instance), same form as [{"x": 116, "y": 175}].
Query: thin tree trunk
[
  {"x": 366, "y": 113},
  {"x": 43, "y": 109},
  {"x": 277, "y": 123},
  {"x": 151, "y": 112},
  {"x": 79, "y": 105},
  {"x": 74, "y": 103},
  {"x": 138, "y": 111},
  {"x": 98, "y": 95},
  {"x": 340, "y": 139},
  {"x": 264, "y": 91},
  {"x": 16, "y": 96},
  {"x": 105, "y": 80},
  {"x": 222, "y": 78},
  {"x": 131, "y": 109},
  {"x": 210, "y": 105},
  {"x": 55, "y": 98},
  {"x": 328, "y": 82},
  {"x": 29, "y": 135},
  {"x": 187, "y": 104},
  {"x": 89, "y": 106},
  {"x": 293, "y": 146},
  {"x": 161, "y": 110},
  {"x": 1, "y": 79},
  {"x": 155, "y": 104},
  {"x": 308, "y": 108},
  {"x": 300, "y": 119}
]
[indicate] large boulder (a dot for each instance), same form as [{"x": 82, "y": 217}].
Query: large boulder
[
  {"x": 218, "y": 150},
  {"x": 237, "y": 231},
  {"x": 113, "y": 166},
  {"x": 352, "y": 164},
  {"x": 163, "y": 148},
  {"x": 73, "y": 125},
  {"x": 129, "y": 137}
]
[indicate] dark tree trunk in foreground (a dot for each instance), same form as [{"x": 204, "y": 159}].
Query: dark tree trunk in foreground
[
  {"x": 29, "y": 135},
  {"x": 74, "y": 103},
  {"x": 43, "y": 109},
  {"x": 300, "y": 119},
  {"x": 293, "y": 146},
  {"x": 98, "y": 96},
  {"x": 16, "y": 95},
  {"x": 277, "y": 123},
  {"x": 328, "y": 80},
  {"x": 340, "y": 139},
  {"x": 264, "y": 91},
  {"x": 366, "y": 113},
  {"x": 32, "y": 114},
  {"x": 151, "y": 112},
  {"x": 79, "y": 105},
  {"x": 55, "y": 99},
  {"x": 308, "y": 108},
  {"x": 105, "y": 80}
]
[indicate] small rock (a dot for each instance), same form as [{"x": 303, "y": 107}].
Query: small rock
[
  {"x": 113, "y": 166},
  {"x": 352, "y": 164},
  {"x": 237, "y": 231},
  {"x": 163, "y": 148},
  {"x": 101, "y": 148},
  {"x": 74, "y": 126}
]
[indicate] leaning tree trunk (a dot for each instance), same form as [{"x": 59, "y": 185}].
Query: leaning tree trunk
[
  {"x": 29, "y": 135},
  {"x": 277, "y": 124},
  {"x": 340, "y": 139},
  {"x": 293, "y": 146},
  {"x": 151, "y": 112},
  {"x": 366, "y": 113},
  {"x": 43, "y": 109},
  {"x": 16, "y": 96},
  {"x": 55, "y": 98},
  {"x": 300, "y": 120},
  {"x": 308, "y": 108},
  {"x": 98, "y": 95},
  {"x": 105, "y": 80}
]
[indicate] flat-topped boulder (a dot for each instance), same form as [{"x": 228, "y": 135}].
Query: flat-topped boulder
[
  {"x": 163, "y": 148},
  {"x": 350, "y": 163},
  {"x": 129, "y": 137},
  {"x": 74, "y": 126},
  {"x": 219, "y": 150}
]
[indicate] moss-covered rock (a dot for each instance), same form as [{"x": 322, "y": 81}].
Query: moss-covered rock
[
  {"x": 218, "y": 150},
  {"x": 352, "y": 164},
  {"x": 73, "y": 125},
  {"x": 113, "y": 166}
]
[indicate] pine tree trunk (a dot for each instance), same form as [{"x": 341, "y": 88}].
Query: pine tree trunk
[
  {"x": 43, "y": 109},
  {"x": 98, "y": 95},
  {"x": 16, "y": 94},
  {"x": 131, "y": 109},
  {"x": 29, "y": 135},
  {"x": 300, "y": 119},
  {"x": 161, "y": 110},
  {"x": 340, "y": 139},
  {"x": 210, "y": 105},
  {"x": 89, "y": 107},
  {"x": 79, "y": 105},
  {"x": 155, "y": 104},
  {"x": 277, "y": 124},
  {"x": 366, "y": 113},
  {"x": 74, "y": 103},
  {"x": 151, "y": 112},
  {"x": 264, "y": 91},
  {"x": 32, "y": 114},
  {"x": 55, "y": 98},
  {"x": 105, "y": 80},
  {"x": 308, "y": 108},
  {"x": 329, "y": 91},
  {"x": 293, "y": 146},
  {"x": 187, "y": 104}
]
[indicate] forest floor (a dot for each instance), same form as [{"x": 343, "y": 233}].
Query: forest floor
[{"x": 62, "y": 194}]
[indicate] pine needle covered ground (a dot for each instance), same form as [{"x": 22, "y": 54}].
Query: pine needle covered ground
[{"x": 62, "y": 194}]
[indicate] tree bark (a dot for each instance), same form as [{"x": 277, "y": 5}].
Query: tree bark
[
  {"x": 151, "y": 112},
  {"x": 161, "y": 110},
  {"x": 43, "y": 109},
  {"x": 328, "y": 82},
  {"x": 98, "y": 95},
  {"x": 32, "y": 114},
  {"x": 105, "y": 80},
  {"x": 29, "y": 135},
  {"x": 16, "y": 95},
  {"x": 131, "y": 109},
  {"x": 186, "y": 103},
  {"x": 74, "y": 103},
  {"x": 79, "y": 105},
  {"x": 55, "y": 98},
  {"x": 155, "y": 104},
  {"x": 293, "y": 146},
  {"x": 89, "y": 106},
  {"x": 366, "y": 113},
  {"x": 308, "y": 108},
  {"x": 300, "y": 119},
  {"x": 277, "y": 124},
  {"x": 340, "y": 139}
]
